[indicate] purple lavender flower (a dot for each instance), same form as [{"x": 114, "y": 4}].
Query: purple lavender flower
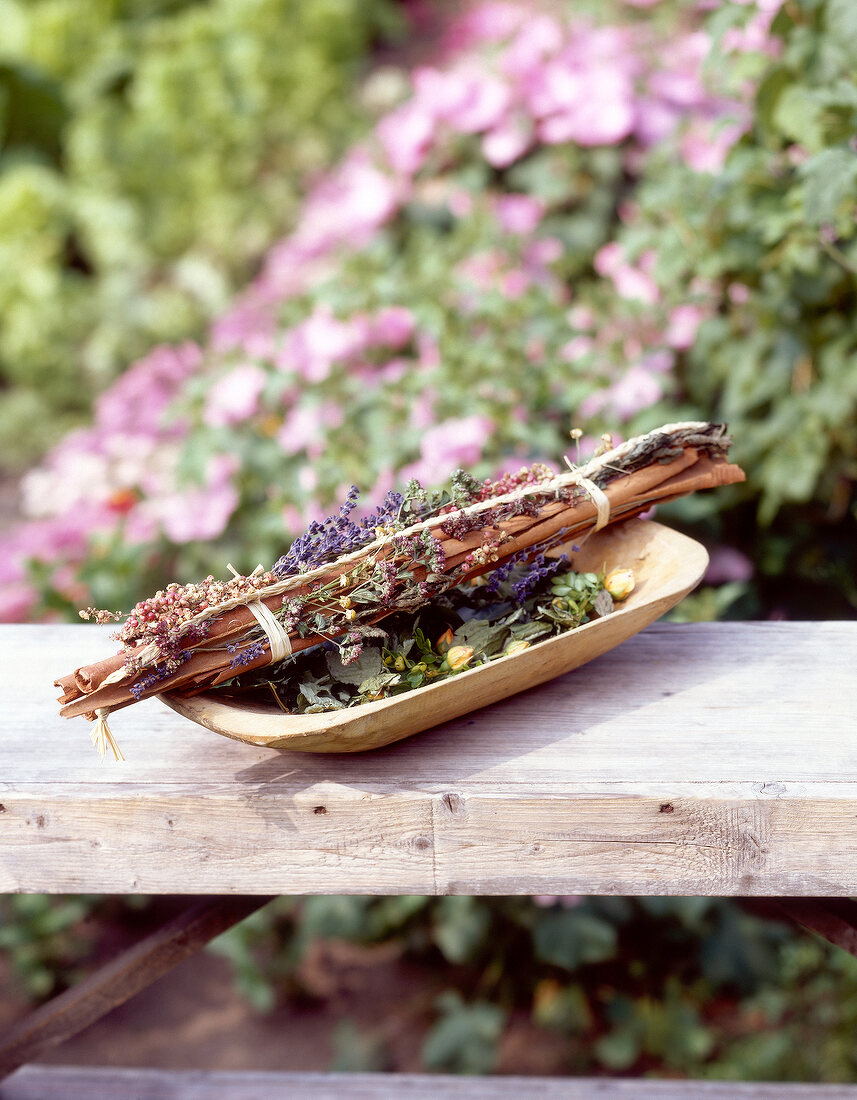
[
  {"x": 325, "y": 541},
  {"x": 156, "y": 675},
  {"x": 247, "y": 655},
  {"x": 539, "y": 570},
  {"x": 386, "y": 514}
]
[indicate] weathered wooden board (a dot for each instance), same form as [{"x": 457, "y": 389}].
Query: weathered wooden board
[
  {"x": 83, "y": 1083},
  {"x": 702, "y": 759}
]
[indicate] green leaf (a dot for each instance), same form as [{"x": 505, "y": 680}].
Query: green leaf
[
  {"x": 370, "y": 663},
  {"x": 830, "y": 182},
  {"x": 465, "y": 1038},
  {"x": 318, "y": 697},
  {"x": 841, "y": 19},
  {"x": 569, "y": 938},
  {"x": 482, "y": 635},
  {"x": 461, "y": 927},
  {"x": 619, "y": 1049},
  {"x": 798, "y": 115}
]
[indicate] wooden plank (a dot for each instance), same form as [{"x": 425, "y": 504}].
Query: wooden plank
[
  {"x": 705, "y": 759},
  {"x": 120, "y": 979},
  {"x": 84, "y": 1083}
]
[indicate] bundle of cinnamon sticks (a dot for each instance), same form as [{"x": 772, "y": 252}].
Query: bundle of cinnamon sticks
[{"x": 665, "y": 464}]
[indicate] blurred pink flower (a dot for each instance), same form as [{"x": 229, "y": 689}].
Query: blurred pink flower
[
  {"x": 459, "y": 442},
  {"x": 519, "y": 214},
  {"x": 300, "y": 430},
  {"x": 234, "y": 397},
  {"x": 17, "y": 601},
  {"x": 307, "y": 479},
  {"x": 394, "y": 371},
  {"x": 637, "y": 389},
  {"x": 546, "y": 250},
  {"x": 137, "y": 399},
  {"x": 487, "y": 101},
  {"x": 605, "y": 119},
  {"x": 392, "y": 326},
  {"x": 539, "y": 37},
  {"x": 422, "y": 411},
  {"x": 405, "y": 135},
  {"x": 200, "y": 514},
  {"x": 247, "y": 324},
  {"x": 630, "y": 282},
  {"x": 728, "y": 564},
  {"x": 440, "y": 91},
  {"x": 576, "y": 348},
  {"x": 684, "y": 322},
  {"x": 739, "y": 293},
  {"x": 486, "y": 22},
  {"x": 706, "y": 144},
  {"x": 313, "y": 345},
  {"x": 345, "y": 208},
  {"x": 448, "y": 445},
  {"x": 507, "y": 142}
]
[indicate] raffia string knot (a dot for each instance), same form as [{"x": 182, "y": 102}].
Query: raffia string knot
[{"x": 102, "y": 738}]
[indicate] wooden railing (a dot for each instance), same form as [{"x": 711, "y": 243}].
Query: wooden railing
[{"x": 713, "y": 759}]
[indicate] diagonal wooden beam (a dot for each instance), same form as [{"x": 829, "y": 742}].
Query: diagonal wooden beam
[
  {"x": 122, "y": 978},
  {"x": 833, "y": 918}
]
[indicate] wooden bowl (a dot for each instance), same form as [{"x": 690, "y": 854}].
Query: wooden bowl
[{"x": 666, "y": 565}]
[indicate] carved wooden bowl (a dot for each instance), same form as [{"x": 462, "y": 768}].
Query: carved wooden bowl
[{"x": 666, "y": 564}]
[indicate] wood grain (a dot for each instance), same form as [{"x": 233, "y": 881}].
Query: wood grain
[
  {"x": 85, "y": 1083},
  {"x": 120, "y": 979},
  {"x": 704, "y": 759}
]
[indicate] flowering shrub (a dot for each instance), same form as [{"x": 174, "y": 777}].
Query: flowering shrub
[
  {"x": 554, "y": 226},
  {"x": 149, "y": 153}
]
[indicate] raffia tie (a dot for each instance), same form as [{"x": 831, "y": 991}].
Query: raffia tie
[
  {"x": 102, "y": 738},
  {"x": 278, "y": 639},
  {"x": 598, "y": 497}
]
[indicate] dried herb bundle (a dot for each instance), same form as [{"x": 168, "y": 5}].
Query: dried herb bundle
[{"x": 342, "y": 577}]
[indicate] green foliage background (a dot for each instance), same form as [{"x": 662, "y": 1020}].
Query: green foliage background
[
  {"x": 780, "y": 365},
  {"x": 150, "y": 150}
]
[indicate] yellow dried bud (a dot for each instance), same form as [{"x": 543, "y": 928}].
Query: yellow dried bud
[
  {"x": 351, "y": 614},
  {"x": 345, "y": 601},
  {"x": 620, "y": 583},
  {"x": 576, "y": 433},
  {"x": 459, "y": 656},
  {"x": 517, "y": 646}
]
